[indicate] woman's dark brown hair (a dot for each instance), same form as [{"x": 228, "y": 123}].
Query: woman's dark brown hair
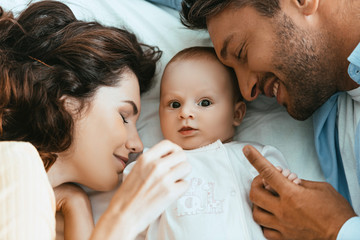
[{"x": 46, "y": 53}]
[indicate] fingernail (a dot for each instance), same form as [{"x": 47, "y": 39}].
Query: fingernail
[{"x": 246, "y": 151}]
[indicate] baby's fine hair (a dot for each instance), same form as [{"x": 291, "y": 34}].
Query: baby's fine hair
[
  {"x": 45, "y": 54},
  {"x": 208, "y": 52}
]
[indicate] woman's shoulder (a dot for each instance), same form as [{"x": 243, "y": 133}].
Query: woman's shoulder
[
  {"x": 18, "y": 156},
  {"x": 26, "y": 193}
]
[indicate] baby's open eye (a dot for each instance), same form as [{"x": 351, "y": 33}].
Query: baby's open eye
[
  {"x": 175, "y": 104},
  {"x": 204, "y": 103}
]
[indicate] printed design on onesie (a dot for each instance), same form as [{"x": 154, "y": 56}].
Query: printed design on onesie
[{"x": 199, "y": 199}]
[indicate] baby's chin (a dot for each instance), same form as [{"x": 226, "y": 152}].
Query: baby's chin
[{"x": 191, "y": 144}]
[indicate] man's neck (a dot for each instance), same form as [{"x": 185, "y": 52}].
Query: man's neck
[{"x": 342, "y": 19}]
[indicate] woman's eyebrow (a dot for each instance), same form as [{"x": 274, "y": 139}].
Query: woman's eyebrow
[{"x": 135, "y": 108}]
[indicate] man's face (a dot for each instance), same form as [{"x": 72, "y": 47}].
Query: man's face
[{"x": 275, "y": 57}]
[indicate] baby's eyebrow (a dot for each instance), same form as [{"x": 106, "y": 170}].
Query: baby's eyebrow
[{"x": 135, "y": 108}]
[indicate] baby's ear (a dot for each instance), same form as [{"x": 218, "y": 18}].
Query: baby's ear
[{"x": 239, "y": 113}]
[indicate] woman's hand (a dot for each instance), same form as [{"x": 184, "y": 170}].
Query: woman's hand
[
  {"x": 74, "y": 204},
  {"x": 155, "y": 182}
]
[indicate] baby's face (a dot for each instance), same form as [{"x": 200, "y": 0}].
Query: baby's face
[{"x": 196, "y": 103}]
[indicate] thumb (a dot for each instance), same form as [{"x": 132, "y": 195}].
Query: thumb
[{"x": 267, "y": 171}]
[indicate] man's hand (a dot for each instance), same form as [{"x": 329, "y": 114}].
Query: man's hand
[{"x": 311, "y": 210}]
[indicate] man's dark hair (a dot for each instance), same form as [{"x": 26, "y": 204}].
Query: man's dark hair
[{"x": 195, "y": 12}]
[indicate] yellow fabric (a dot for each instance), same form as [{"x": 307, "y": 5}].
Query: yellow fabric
[{"x": 27, "y": 201}]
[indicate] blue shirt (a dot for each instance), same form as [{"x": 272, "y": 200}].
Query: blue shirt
[
  {"x": 176, "y": 4},
  {"x": 328, "y": 148}
]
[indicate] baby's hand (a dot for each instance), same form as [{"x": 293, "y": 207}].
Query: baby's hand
[{"x": 288, "y": 174}]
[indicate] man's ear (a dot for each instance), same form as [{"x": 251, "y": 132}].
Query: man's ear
[
  {"x": 307, "y": 7},
  {"x": 239, "y": 113}
]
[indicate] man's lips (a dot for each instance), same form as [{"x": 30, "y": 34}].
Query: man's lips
[
  {"x": 271, "y": 87},
  {"x": 187, "y": 130}
]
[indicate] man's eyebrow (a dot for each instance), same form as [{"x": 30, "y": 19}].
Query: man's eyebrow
[
  {"x": 135, "y": 109},
  {"x": 223, "y": 51}
]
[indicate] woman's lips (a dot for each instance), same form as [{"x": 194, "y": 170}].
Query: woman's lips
[{"x": 122, "y": 160}]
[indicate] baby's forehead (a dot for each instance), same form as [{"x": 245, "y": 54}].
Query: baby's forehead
[
  {"x": 193, "y": 64},
  {"x": 186, "y": 75},
  {"x": 207, "y": 63},
  {"x": 203, "y": 69}
]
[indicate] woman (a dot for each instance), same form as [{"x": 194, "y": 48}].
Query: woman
[{"x": 72, "y": 89}]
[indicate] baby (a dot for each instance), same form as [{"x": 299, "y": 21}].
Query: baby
[{"x": 200, "y": 107}]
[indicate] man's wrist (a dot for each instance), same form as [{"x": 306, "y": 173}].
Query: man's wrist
[{"x": 350, "y": 230}]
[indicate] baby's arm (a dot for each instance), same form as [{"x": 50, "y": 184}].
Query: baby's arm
[{"x": 288, "y": 174}]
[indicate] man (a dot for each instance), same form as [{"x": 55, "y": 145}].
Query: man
[{"x": 299, "y": 52}]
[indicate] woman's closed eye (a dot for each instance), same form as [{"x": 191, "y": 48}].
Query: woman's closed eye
[
  {"x": 205, "y": 103},
  {"x": 124, "y": 119}
]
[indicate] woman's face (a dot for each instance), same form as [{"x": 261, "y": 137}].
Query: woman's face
[{"x": 104, "y": 135}]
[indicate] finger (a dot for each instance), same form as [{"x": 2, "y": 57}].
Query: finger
[
  {"x": 279, "y": 168},
  {"x": 161, "y": 198},
  {"x": 266, "y": 170},
  {"x": 313, "y": 184},
  {"x": 162, "y": 163},
  {"x": 297, "y": 181},
  {"x": 271, "y": 190},
  {"x": 170, "y": 168},
  {"x": 264, "y": 218},
  {"x": 286, "y": 173},
  {"x": 292, "y": 176},
  {"x": 178, "y": 172},
  {"x": 272, "y": 234},
  {"x": 179, "y": 188},
  {"x": 172, "y": 160},
  {"x": 265, "y": 183},
  {"x": 168, "y": 191},
  {"x": 161, "y": 149},
  {"x": 268, "y": 187},
  {"x": 268, "y": 222},
  {"x": 262, "y": 197}
]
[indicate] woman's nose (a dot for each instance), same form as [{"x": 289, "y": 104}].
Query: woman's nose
[{"x": 134, "y": 143}]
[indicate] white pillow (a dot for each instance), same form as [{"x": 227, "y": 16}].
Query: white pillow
[{"x": 265, "y": 122}]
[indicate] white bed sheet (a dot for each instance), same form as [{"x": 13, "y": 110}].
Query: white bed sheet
[{"x": 265, "y": 122}]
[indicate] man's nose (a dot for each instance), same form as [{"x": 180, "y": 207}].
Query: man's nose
[{"x": 248, "y": 84}]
